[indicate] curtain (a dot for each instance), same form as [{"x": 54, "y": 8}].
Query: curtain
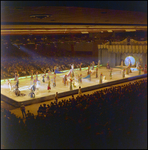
[
  {"x": 102, "y": 46},
  {"x": 114, "y": 48},
  {"x": 133, "y": 48},
  {"x": 137, "y": 49},
  {"x": 140, "y": 48},
  {"x": 122, "y": 48},
  {"x": 111, "y": 48},
  {"x": 130, "y": 48},
  {"x": 99, "y": 46},
  {"x": 126, "y": 48}
]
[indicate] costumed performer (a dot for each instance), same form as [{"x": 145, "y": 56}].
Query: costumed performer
[
  {"x": 88, "y": 70},
  {"x": 145, "y": 69},
  {"x": 17, "y": 81},
  {"x": 55, "y": 68},
  {"x": 96, "y": 72},
  {"x": 65, "y": 79},
  {"x": 121, "y": 63},
  {"x": 123, "y": 73},
  {"x": 140, "y": 68},
  {"x": 110, "y": 73},
  {"x": 15, "y": 77},
  {"x": 72, "y": 67},
  {"x": 71, "y": 84},
  {"x": 31, "y": 74},
  {"x": 33, "y": 87},
  {"x": 45, "y": 72},
  {"x": 48, "y": 78},
  {"x": 89, "y": 75},
  {"x": 108, "y": 66},
  {"x": 93, "y": 64},
  {"x": 36, "y": 76},
  {"x": 48, "y": 87},
  {"x": 32, "y": 94},
  {"x": 37, "y": 87},
  {"x": 54, "y": 80},
  {"x": 9, "y": 84},
  {"x": 43, "y": 78},
  {"x": 80, "y": 66},
  {"x": 101, "y": 75},
  {"x": 80, "y": 78}
]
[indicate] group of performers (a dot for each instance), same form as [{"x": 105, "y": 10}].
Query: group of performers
[
  {"x": 70, "y": 79},
  {"x": 36, "y": 82}
]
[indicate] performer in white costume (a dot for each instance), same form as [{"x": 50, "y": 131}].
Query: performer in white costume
[{"x": 9, "y": 84}]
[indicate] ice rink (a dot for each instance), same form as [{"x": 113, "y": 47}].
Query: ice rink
[{"x": 25, "y": 83}]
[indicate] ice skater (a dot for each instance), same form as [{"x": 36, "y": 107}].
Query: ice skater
[
  {"x": 71, "y": 84},
  {"x": 55, "y": 67},
  {"x": 9, "y": 84},
  {"x": 99, "y": 64},
  {"x": 145, "y": 69},
  {"x": 37, "y": 87},
  {"x": 54, "y": 80},
  {"x": 43, "y": 80},
  {"x": 108, "y": 66},
  {"x": 88, "y": 70},
  {"x": 36, "y": 76},
  {"x": 15, "y": 76},
  {"x": 17, "y": 81},
  {"x": 31, "y": 74},
  {"x": 122, "y": 64},
  {"x": 129, "y": 62},
  {"x": 93, "y": 64},
  {"x": 137, "y": 64},
  {"x": 72, "y": 70},
  {"x": 45, "y": 72},
  {"x": 140, "y": 68},
  {"x": 110, "y": 73},
  {"x": 80, "y": 78},
  {"x": 32, "y": 94},
  {"x": 48, "y": 87},
  {"x": 89, "y": 75},
  {"x": 48, "y": 78},
  {"x": 101, "y": 76},
  {"x": 80, "y": 66},
  {"x": 65, "y": 79},
  {"x": 96, "y": 72},
  {"x": 33, "y": 87},
  {"x": 123, "y": 75}
]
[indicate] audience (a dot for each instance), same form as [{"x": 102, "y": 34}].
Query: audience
[
  {"x": 111, "y": 118},
  {"x": 24, "y": 66}
]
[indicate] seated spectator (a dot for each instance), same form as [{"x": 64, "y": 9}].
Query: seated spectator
[
  {"x": 28, "y": 114},
  {"x": 40, "y": 110},
  {"x": 44, "y": 109}
]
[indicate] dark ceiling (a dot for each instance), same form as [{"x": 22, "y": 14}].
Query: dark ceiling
[{"x": 60, "y": 19}]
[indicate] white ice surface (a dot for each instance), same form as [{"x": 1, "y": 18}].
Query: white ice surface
[{"x": 24, "y": 84}]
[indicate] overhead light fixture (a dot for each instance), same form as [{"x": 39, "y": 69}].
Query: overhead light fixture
[
  {"x": 84, "y": 32},
  {"x": 109, "y": 30},
  {"x": 130, "y": 30}
]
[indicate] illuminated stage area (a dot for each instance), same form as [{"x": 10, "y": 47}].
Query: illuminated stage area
[{"x": 64, "y": 90}]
